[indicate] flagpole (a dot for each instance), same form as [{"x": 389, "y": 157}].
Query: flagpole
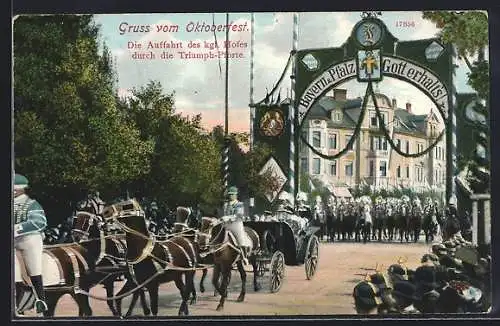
[
  {"x": 252, "y": 68},
  {"x": 225, "y": 156},
  {"x": 226, "y": 131}
]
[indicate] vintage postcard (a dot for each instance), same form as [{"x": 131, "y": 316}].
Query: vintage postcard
[{"x": 250, "y": 164}]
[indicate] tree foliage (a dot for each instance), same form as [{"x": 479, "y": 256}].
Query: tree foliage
[
  {"x": 73, "y": 134},
  {"x": 468, "y": 31},
  {"x": 69, "y": 134}
]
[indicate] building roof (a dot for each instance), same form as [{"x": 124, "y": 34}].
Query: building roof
[{"x": 322, "y": 109}]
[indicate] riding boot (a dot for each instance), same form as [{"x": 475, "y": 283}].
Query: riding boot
[{"x": 40, "y": 304}]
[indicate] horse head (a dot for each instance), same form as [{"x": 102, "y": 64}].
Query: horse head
[
  {"x": 217, "y": 233},
  {"x": 85, "y": 226}
]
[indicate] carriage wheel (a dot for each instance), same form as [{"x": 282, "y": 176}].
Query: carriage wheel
[
  {"x": 269, "y": 242},
  {"x": 311, "y": 257},
  {"x": 277, "y": 271}
]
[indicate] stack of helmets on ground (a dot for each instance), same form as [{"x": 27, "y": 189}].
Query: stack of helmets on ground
[{"x": 453, "y": 277}]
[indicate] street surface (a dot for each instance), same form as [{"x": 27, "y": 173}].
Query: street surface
[{"x": 341, "y": 266}]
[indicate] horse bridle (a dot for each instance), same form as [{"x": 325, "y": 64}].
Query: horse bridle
[{"x": 90, "y": 219}]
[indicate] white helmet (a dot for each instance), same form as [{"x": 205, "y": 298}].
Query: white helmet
[
  {"x": 302, "y": 196},
  {"x": 285, "y": 196}
]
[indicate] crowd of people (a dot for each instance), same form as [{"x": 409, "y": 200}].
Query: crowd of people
[{"x": 454, "y": 277}]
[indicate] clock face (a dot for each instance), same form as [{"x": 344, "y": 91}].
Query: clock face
[{"x": 368, "y": 33}]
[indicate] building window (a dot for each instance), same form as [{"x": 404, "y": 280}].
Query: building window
[
  {"x": 333, "y": 141},
  {"x": 316, "y": 166},
  {"x": 333, "y": 168},
  {"x": 420, "y": 147},
  {"x": 373, "y": 119},
  {"x": 317, "y": 139},
  {"x": 372, "y": 168},
  {"x": 407, "y": 147},
  {"x": 396, "y": 123},
  {"x": 398, "y": 171},
  {"x": 378, "y": 143},
  {"x": 398, "y": 143},
  {"x": 349, "y": 169},
  {"x": 337, "y": 117},
  {"x": 383, "y": 143},
  {"x": 304, "y": 135},
  {"x": 304, "y": 164},
  {"x": 407, "y": 171},
  {"x": 384, "y": 118},
  {"x": 347, "y": 138},
  {"x": 419, "y": 171},
  {"x": 383, "y": 168}
]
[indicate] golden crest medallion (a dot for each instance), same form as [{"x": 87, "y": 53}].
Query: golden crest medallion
[{"x": 272, "y": 123}]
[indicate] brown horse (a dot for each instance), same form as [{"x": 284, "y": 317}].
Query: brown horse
[
  {"x": 225, "y": 252},
  {"x": 67, "y": 269},
  {"x": 153, "y": 262},
  {"x": 111, "y": 259}
]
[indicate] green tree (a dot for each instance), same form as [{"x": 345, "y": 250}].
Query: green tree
[
  {"x": 468, "y": 31},
  {"x": 69, "y": 134},
  {"x": 185, "y": 164}
]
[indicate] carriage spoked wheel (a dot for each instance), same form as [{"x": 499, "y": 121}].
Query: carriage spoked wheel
[
  {"x": 311, "y": 257},
  {"x": 277, "y": 271}
]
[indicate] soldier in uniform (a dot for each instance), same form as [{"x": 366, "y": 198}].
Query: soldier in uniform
[
  {"x": 233, "y": 217},
  {"x": 30, "y": 221},
  {"x": 303, "y": 210}
]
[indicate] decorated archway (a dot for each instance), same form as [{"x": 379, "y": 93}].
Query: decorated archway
[{"x": 370, "y": 54}]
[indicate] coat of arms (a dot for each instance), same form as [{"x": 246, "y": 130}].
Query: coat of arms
[{"x": 272, "y": 123}]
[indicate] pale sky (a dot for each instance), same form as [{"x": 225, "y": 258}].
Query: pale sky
[{"x": 199, "y": 84}]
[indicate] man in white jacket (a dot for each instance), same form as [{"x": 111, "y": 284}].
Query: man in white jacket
[
  {"x": 30, "y": 221},
  {"x": 233, "y": 218}
]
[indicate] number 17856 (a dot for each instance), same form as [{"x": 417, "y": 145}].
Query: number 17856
[{"x": 405, "y": 23}]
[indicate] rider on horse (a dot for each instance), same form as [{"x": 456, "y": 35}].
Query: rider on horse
[
  {"x": 233, "y": 216},
  {"x": 30, "y": 221}
]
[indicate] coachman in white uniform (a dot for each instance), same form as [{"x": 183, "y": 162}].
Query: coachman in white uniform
[
  {"x": 30, "y": 221},
  {"x": 234, "y": 212}
]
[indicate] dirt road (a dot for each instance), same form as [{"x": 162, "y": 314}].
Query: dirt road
[{"x": 341, "y": 266}]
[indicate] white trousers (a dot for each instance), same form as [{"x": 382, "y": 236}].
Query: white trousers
[
  {"x": 30, "y": 247},
  {"x": 238, "y": 230}
]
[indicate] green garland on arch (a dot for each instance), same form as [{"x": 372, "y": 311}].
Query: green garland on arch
[
  {"x": 388, "y": 137},
  {"x": 369, "y": 92},
  {"x": 351, "y": 141}
]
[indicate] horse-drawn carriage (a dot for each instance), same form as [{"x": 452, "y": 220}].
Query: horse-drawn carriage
[{"x": 281, "y": 246}]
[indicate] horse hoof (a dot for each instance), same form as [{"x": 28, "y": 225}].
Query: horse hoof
[
  {"x": 241, "y": 298},
  {"x": 147, "y": 312},
  {"x": 257, "y": 288},
  {"x": 220, "y": 307},
  {"x": 202, "y": 289},
  {"x": 193, "y": 301}
]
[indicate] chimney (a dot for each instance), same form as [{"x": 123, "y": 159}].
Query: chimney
[
  {"x": 340, "y": 94},
  {"x": 394, "y": 103},
  {"x": 408, "y": 107}
]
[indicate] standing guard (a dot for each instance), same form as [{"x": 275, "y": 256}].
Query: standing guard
[
  {"x": 30, "y": 221},
  {"x": 233, "y": 218},
  {"x": 303, "y": 210}
]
